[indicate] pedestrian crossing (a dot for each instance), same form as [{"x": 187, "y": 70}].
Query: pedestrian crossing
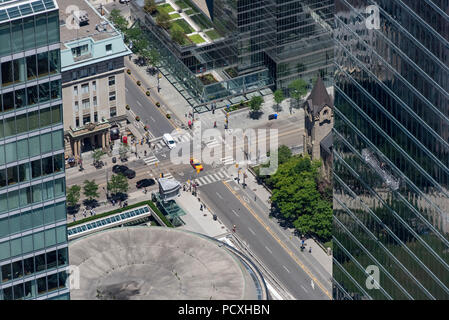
[
  {"x": 210, "y": 178},
  {"x": 151, "y": 160},
  {"x": 213, "y": 143},
  {"x": 178, "y": 138},
  {"x": 168, "y": 175},
  {"x": 227, "y": 160}
]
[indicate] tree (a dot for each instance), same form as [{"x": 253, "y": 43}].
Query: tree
[
  {"x": 90, "y": 189},
  {"x": 123, "y": 151},
  {"x": 73, "y": 195},
  {"x": 118, "y": 20},
  {"x": 298, "y": 89},
  {"x": 150, "y": 6},
  {"x": 163, "y": 20},
  {"x": 118, "y": 183},
  {"x": 278, "y": 97},
  {"x": 255, "y": 103},
  {"x": 97, "y": 154},
  {"x": 140, "y": 45},
  {"x": 151, "y": 56},
  {"x": 177, "y": 34}
]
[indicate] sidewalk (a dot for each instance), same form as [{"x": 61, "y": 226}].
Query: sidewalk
[
  {"x": 263, "y": 201},
  {"x": 197, "y": 220}
]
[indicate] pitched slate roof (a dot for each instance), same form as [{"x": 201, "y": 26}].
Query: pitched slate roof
[
  {"x": 319, "y": 97},
  {"x": 327, "y": 142}
]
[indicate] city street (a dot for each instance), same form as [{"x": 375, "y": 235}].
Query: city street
[{"x": 260, "y": 240}]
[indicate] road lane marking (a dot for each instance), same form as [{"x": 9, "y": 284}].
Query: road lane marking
[
  {"x": 126, "y": 89},
  {"x": 290, "y": 252},
  {"x": 304, "y": 288},
  {"x": 219, "y": 195},
  {"x": 139, "y": 103},
  {"x": 268, "y": 249},
  {"x": 235, "y": 213},
  {"x": 251, "y": 230},
  {"x": 152, "y": 119},
  {"x": 286, "y": 268}
]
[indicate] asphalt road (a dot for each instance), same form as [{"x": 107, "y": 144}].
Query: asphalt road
[
  {"x": 146, "y": 110},
  {"x": 272, "y": 254}
]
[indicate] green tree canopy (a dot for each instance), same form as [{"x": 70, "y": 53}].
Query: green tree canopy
[
  {"x": 298, "y": 89},
  {"x": 90, "y": 189},
  {"x": 123, "y": 150},
  {"x": 278, "y": 96},
  {"x": 118, "y": 20},
  {"x": 163, "y": 20},
  {"x": 97, "y": 154},
  {"x": 150, "y": 6},
  {"x": 255, "y": 103},
  {"x": 177, "y": 34},
  {"x": 73, "y": 195},
  {"x": 151, "y": 56},
  {"x": 118, "y": 183}
]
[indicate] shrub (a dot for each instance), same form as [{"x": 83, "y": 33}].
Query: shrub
[
  {"x": 158, "y": 104},
  {"x": 128, "y": 71},
  {"x": 168, "y": 116},
  {"x": 127, "y": 107},
  {"x": 138, "y": 82},
  {"x": 137, "y": 118},
  {"x": 148, "y": 93}
]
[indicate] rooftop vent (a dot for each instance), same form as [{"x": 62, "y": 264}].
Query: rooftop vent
[{"x": 81, "y": 17}]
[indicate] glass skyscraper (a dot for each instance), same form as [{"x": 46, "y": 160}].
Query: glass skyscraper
[
  {"x": 391, "y": 150},
  {"x": 33, "y": 236}
]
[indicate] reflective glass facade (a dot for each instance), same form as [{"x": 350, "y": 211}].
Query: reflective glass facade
[
  {"x": 33, "y": 233},
  {"x": 391, "y": 151}
]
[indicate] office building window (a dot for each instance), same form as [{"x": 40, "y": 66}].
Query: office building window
[
  {"x": 77, "y": 122},
  {"x": 112, "y": 96},
  {"x": 95, "y": 101},
  {"x": 113, "y": 112},
  {"x": 86, "y": 119},
  {"x": 83, "y": 73},
  {"x": 93, "y": 70},
  {"x": 111, "y": 80},
  {"x": 94, "y": 86},
  {"x": 79, "y": 51},
  {"x": 75, "y": 90},
  {"x": 108, "y": 48},
  {"x": 110, "y": 66},
  {"x": 95, "y": 117},
  {"x": 74, "y": 75},
  {"x": 86, "y": 104},
  {"x": 85, "y": 88},
  {"x": 76, "y": 107}
]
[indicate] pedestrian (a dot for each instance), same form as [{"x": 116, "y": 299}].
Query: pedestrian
[
  {"x": 94, "y": 211},
  {"x": 201, "y": 207},
  {"x": 310, "y": 249},
  {"x": 255, "y": 198},
  {"x": 91, "y": 212},
  {"x": 145, "y": 153},
  {"x": 183, "y": 187},
  {"x": 74, "y": 219}
]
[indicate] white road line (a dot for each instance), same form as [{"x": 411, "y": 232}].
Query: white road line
[
  {"x": 286, "y": 268},
  {"x": 208, "y": 179},
  {"x": 152, "y": 119},
  {"x": 139, "y": 103},
  {"x": 216, "y": 177},
  {"x": 233, "y": 211},
  {"x": 268, "y": 249},
  {"x": 221, "y": 175},
  {"x": 219, "y": 195},
  {"x": 251, "y": 230},
  {"x": 304, "y": 288}
]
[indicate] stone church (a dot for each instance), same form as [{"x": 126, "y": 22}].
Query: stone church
[{"x": 319, "y": 120}]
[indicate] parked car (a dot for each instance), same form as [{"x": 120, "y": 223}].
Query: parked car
[
  {"x": 130, "y": 174},
  {"x": 145, "y": 183},
  {"x": 119, "y": 168}
]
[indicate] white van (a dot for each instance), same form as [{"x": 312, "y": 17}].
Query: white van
[{"x": 168, "y": 140}]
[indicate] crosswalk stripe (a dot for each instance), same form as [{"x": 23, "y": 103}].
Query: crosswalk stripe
[
  {"x": 216, "y": 177},
  {"x": 151, "y": 160}
]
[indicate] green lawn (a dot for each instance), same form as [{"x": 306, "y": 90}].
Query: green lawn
[
  {"x": 181, "y": 4},
  {"x": 213, "y": 34},
  {"x": 189, "y": 12},
  {"x": 166, "y": 7},
  {"x": 184, "y": 25},
  {"x": 197, "y": 38},
  {"x": 201, "y": 21},
  {"x": 175, "y": 15}
]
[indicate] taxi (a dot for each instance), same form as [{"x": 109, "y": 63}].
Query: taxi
[{"x": 196, "y": 164}]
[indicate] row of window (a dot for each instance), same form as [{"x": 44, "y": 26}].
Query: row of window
[
  {"x": 28, "y": 266},
  {"x": 89, "y": 71},
  {"x": 31, "y": 147},
  {"x": 28, "y": 33},
  {"x": 34, "y": 288},
  {"x": 33, "y": 242},
  {"x": 30, "y": 121},
  {"x": 85, "y": 86},
  {"x": 31, "y": 170},
  {"x": 32, "y": 219},
  {"x": 30, "y": 96},
  {"x": 30, "y": 68},
  {"x": 24, "y": 197}
]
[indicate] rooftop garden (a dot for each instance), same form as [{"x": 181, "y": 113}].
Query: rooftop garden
[
  {"x": 212, "y": 34},
  {"x": 185, "y": 26},
  {"x": 207, "y": 79},
  {"x": 197, "y": 38},
  {"x": 175, "y": 16},
  {"x": 201, "y": 21},
  {"x": 166, "y": 7}
]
